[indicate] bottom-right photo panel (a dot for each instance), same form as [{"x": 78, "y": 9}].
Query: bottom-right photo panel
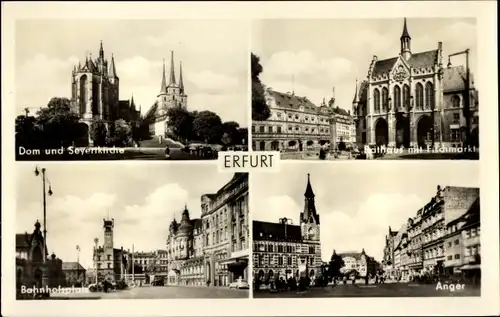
[{"x": 365, "y": 230}]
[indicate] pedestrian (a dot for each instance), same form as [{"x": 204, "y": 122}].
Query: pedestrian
[
  {"x": 322, "y": 153},
  {"x": 167, "y": 152}
]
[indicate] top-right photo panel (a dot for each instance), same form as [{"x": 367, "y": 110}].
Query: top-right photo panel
[{"x": 366, "y": 88}]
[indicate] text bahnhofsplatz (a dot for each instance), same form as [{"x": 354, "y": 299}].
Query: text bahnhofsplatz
[{"x": 248, "y": 160}]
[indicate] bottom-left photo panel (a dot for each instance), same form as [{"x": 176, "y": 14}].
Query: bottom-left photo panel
[{"x": 134, "y": 231}]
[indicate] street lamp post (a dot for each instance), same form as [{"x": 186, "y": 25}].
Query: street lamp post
[
  {"x": 77, "y": 263},
  {"x": 96, "y": 241},
  {"x": 467, "y": 90},
  {"x": 44, "y": 181}
]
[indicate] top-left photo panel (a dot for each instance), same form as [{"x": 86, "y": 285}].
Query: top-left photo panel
[{"x": 130, "y": 89}]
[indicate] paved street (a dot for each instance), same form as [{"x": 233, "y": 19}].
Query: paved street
[
  {"x": 158, "y": 292},
  {"x": 372, "y": 290}
]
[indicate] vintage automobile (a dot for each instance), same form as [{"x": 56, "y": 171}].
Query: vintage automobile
[{"x": 239, "y": 284}]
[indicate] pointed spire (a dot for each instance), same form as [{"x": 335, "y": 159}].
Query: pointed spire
[
  {"x": 356, "y": 99},
  {"x": 101, "y": 52},
  {"x": 112, "y": 69},
  {"x": 181, "y": 82},
  {"x": 163, "y": 89},
  {"x": 309, "y": 191},
  {"x": 132, "y": 103},
  {"x": 405, "y": 33},
  {"x": 172, "y": 70}
]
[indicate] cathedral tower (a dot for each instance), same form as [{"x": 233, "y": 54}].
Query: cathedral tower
[
  {"x": 405, "y": 43},
  {"x": 309, "y": 219},
  {"x": 108, "y": 260}
]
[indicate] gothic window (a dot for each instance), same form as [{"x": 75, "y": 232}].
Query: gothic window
[
  {"x": 385, "y": 99},
  {"x": 397, "y": 97},
  {"x": 83, "y": 94},
  {"x": 429, "y": 96},
  {"x": 419, "y": 92},
  {"x": 376, "y": 100},
  {"x": 406, "y": 96},
  {"x": 455, "y": 101}
]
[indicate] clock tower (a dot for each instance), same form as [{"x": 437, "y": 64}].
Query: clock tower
[
  {"x": 309, "y": 219},
  {"x": 108, "y": 261}
]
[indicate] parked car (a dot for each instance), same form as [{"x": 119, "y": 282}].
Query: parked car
[
  {"x": 158, "y": 282},
  {"x": 239, "y": 284}
]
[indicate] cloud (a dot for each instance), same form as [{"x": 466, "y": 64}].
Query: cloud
[
  {"x": 367, "y": 227},
  {"x": 75, "y": 221},
  {"x": 213, "y": 83},
  {"x": 275, "y": 207}
]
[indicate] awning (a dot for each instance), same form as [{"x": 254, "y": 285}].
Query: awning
[{"x": 470, "y": 267}]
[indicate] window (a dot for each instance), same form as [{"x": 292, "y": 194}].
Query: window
[
  {"x": 289, "y": 128},
  {"x": 261, "y": 129},
  {"x": 253, "y": 128},
  {"x": 280, "y": 260},
  {"x": 457, "y": 256},
  {"x": 429, "y": 96},
  {"x": 385, "y": 99},
  {"x": 397, "y": 97},
  {"x": 279, "y": 129},
  {"x": 270, "y": 129},
  {"x": 109, "y": 257},
  {"x": 271, "y": 248},
  {"x": 455, "y": 135},
  {"x": 406, "y": 96},
  {"x": 289, "y": 260},
  {"x": 457, "y": 242},
  {"x": 455, "y": 101},
  {"x": 449, "y": 244},
  {"x": 468, "y": 251},
  {"x": 109, "y": 265},
  {"x": 419, "y": 92},
  {"x": 376, "y": 100}
]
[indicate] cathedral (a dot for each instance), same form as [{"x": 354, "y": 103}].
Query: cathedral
[
  {"x": 170, "y": 96},
  {"x": 411, "y": 100},
  {"x": 287, "y": 250},
  {"x": 95, "y": 92}
]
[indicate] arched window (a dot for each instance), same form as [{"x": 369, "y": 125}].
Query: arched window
[
  {"x": 419, "y": 96},
  {"x": 83, "y": 94},
  {"x": 429, "y": 96},
  {"x": 385, "y": 99},
  {"x": 455, "y": 101},
  {"x": 376, "y": 100},
  {"x": 406, "y": 96},
  {"x": 397, "y": 97}
]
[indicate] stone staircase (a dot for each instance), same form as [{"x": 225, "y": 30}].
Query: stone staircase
[{"x": 155, "y": 143}]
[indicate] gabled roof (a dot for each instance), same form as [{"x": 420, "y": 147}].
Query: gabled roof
[
  {"x": 275, "y": 231},
  {"x": 292, "y": 101},
  {"x": 384, "y": 66},
  {"x": 454, "y": 78},
  {"x": 72, "y": 266},
  {"x": 423, "y": 59},
  {"x": 22, "y": 240}
]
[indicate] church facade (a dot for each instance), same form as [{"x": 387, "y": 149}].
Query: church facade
[
  {"x": 411, "y": 100},
  {"x": 95, "y": 92},
  {"x": 287, "y": 250},
  {"x": 170, "y": 96}
]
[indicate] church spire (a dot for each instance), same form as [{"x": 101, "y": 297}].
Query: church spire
[
  {"x": 163, "y": 89},
  {"x": 101, "y": 52},
  {"x": 405, "y": 42},
  {"x": 172, "y": 70},
  {"x": 355, "y": 100},
  {"x": 309, "y": 191},
  {"x": 112, "y": 69},
  {"x": 181, "y": 82}
]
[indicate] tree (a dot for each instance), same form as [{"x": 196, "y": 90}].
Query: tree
[
  {"x": 334, "y": 266},
  {"x": 260, "y": 109},
  {"x": 27, "y": 133},
  {"x": 180, "y": 122},
  {"x": 230, "y": 128},
  {"x": 243, "y": 136},
  {"x": 121, "y": 133},
  {"x": 226, "y": 139},
  {"x": 98, "y": 132},
  {"x": 140, "y": 131},
  {"x": 208, "y": 126}
]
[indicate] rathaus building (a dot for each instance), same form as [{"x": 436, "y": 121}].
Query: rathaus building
[
  {"x": 412, "y": 100},
  {"x": 286, "y": 250}
]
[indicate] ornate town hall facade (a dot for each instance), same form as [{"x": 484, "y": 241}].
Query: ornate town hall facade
[
  {"x": 170, "y": 96},
  {"x": 287, "y": 250},
  {"x": 412, "y": 100},
  {"x": 95, "y": 88}
]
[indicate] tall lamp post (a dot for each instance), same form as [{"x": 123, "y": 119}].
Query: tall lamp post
[
  {"x": 96, "y": 241},
  {"x": 467, "y": 89},
  {"x": 77, "y": 263},
  {"x": 45, "y": 193}
]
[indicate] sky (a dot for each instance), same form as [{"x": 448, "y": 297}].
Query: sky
[
  {"x": 356, "y": 205},
  {"x": 143, "y": 198},
  {"x": 214, "y": 55},
  {"x": 310, "y": 57}
]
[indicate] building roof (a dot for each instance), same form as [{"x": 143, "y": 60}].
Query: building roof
[
  {"x": 383, "y": 66},
  {"x": 72, "y": 266},
  {"x": 292, "y": 101},
  {"x": 197, "y": 223},
  {"x": 471, "y": 217},
  {"x": 417, "y": 60},
  {"x": 22, "y": 240},
  {"x": 454, "y": 78},
  {"x": 356, "y": 255},
  {"x": 275, "y": 231},
  {"x": 237, "y": 177}
]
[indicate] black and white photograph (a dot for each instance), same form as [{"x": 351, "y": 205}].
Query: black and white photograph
[
  {"x": 146, "y": 231},
  {"x": 323, "y": 231},
  {"x": 366, "y": 88},
  {"x": 130, "y": 89}
]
